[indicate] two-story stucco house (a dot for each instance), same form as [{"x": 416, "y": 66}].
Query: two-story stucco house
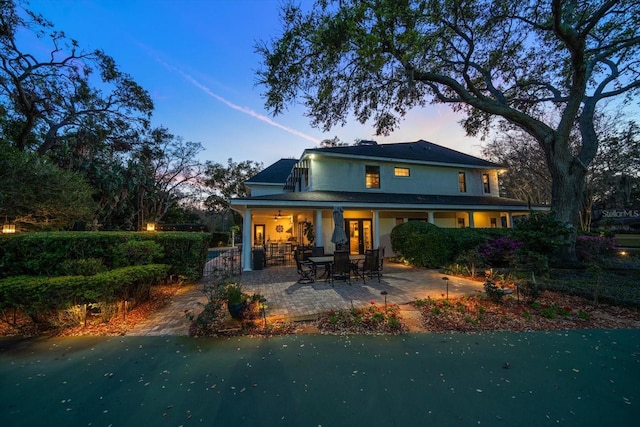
[{"x": 378, "y": 186}]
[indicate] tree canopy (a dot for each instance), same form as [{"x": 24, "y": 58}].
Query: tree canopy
[
  {"x": 543, "y": 66},
  {"x": 37, "y": 194},
  {"x": 46, "y": 95},
  {"x": 225, "y": 182},
  {"x": 73, "y": 128}
]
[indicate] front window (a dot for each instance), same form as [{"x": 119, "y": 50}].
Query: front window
[
  {"x": 401, "y": 172},
  {"x": 462, "y": 182},
  {"x": 485, "y": 183},
  {"x": 372, "y": 177}
]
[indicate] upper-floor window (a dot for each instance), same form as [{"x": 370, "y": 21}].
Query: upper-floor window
[
  {"x": 401, "y": 172},
  {"x": 485, "y": 183},
  {"x": 372, "y": 177},
  {"x": 462, "y": 182}
]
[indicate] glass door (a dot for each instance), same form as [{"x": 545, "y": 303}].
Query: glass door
[
  {"x": 258, "y": 234},
  {"x": 360, "y": 235}
]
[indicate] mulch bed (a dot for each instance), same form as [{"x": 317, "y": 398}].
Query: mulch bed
[
  {"x": 551, "y": 311},
  {"x": 118, "y": 325}
]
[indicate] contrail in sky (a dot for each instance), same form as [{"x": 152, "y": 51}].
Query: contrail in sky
[
  {"x": 245, "y": 110},
  {"x": 230, "y": 104}
]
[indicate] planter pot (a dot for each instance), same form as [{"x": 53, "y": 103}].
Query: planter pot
[{"x": 237, "y": 310}]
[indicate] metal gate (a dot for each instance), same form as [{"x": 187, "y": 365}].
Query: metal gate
[{"x": 222, "y": 262}]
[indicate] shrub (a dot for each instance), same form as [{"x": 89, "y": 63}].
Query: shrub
[
  {"x": 466, "y": 264},
  {"x": 43, "y": 254},
  {"x": 421, "y": 243},
  {"x": 137, "y": 252},
  {"x": 35, "y": 295},
  {"x": 462, "y": 240},
  {"x": 530, "y": 290},
  {"x": 541, "y": 232},
  {"x": 590, "y": 248},
  {"x": 83, "y": 267},
  {"x": 493, "y": 291},
  {"x": 499, "y": 252},
  {"x": 219, "y": 238}
]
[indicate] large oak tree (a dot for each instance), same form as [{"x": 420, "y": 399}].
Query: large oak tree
[
  {"x": 543, "y": 66},
  {"x": 47, "y": 94}
]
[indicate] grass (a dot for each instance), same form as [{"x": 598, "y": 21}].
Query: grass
[{"x": 620, "y": 287}]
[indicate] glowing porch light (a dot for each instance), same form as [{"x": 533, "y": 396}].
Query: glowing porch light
[{"x": 8, "y": 228}]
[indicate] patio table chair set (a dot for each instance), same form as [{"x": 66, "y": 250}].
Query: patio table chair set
[{"x": 337, "y": 266}]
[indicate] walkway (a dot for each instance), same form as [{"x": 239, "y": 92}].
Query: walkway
[{"x": 289, "y": 300}]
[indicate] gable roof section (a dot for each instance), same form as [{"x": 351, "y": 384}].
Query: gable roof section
[
  {"x": 276, "y": 173},
  {"x": 419, "y": 151}
]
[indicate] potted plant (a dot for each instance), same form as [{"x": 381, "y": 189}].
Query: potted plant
[
  {"x": 240, "y": 304},
  {"x": 309, "y": 233}
]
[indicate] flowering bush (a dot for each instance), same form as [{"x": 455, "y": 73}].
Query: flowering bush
[{"x": 499, "y": 252}]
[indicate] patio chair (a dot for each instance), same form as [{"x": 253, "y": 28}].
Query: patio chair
[
  {"x": 306, "y": 269},
  {"x": 371, "y": 265},
  {"x": 341, "y": 267}
]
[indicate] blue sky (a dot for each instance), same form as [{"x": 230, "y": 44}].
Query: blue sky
[{"x": 196, "y": 58}]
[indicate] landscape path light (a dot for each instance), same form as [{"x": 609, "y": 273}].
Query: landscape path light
[
  {"x": 385, "y": 293},
  {"x": 263, "y": 307},
  {"x": 446, "y": 280}
]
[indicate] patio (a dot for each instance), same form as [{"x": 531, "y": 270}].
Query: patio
[{"x": 290, "y": 300}]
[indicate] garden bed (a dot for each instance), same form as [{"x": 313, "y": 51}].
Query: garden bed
[
  {"x": 160, "y": 295},
  {"x": 551, "y": 311}
]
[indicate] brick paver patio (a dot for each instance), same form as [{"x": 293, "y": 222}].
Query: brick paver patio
[{"x": 289, "y": 300}]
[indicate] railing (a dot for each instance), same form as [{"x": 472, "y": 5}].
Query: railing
[{"x": 222, "y": 261}]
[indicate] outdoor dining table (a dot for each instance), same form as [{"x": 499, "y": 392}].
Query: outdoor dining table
[{"x": 327, "y": 259}]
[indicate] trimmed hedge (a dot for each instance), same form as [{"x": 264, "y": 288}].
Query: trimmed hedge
[
  {"x": 38, "y": 294},
  {"x": 421, "y": 243},
  {"x": 44, "y": 254},
  {"x": 427, "y": 245}
]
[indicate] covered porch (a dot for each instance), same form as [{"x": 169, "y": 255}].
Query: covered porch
[{"x": 277, "y": 230}]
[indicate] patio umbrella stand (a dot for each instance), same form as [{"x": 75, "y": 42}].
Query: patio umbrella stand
[{"x": 338, "y": 237}]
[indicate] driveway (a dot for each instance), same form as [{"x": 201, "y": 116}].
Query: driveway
[{"x": 574, "y": 378}]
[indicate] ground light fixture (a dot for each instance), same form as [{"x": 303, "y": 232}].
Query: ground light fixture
[
  {"x": 263, "y": 307},
  {"x": 8, "y": 228},
  {"x": 151, "y": 226},
  {"x": 384, "y": 294},
  {"x": 446, "y": 280}
]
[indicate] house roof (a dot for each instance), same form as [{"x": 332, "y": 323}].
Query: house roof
[
  {"x": 276, "y": 173},
  {"x": 379, "y": 200},
  {"x": 419, "y": 151}
]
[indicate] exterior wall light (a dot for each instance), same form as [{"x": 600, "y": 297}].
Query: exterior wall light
[{"x": 8, "y": 228}]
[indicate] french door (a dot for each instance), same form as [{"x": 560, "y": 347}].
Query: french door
[{"x": 360, "y": 235}]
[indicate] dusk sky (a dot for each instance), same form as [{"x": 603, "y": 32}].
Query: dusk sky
[{"x": 197, "y": 60}]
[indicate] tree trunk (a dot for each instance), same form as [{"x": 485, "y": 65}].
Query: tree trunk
[{"x": 568, "y": 181}]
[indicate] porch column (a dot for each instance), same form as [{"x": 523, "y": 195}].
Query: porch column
[
  {"x": 510, "y": 219},
  {"x": 472, "y": 223},
  {"x": 318, "y": 223},
  {"x": 247, "y": 237},
  {"x": 376, "y": 229},
  {"x": 432, "y": 219}
]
